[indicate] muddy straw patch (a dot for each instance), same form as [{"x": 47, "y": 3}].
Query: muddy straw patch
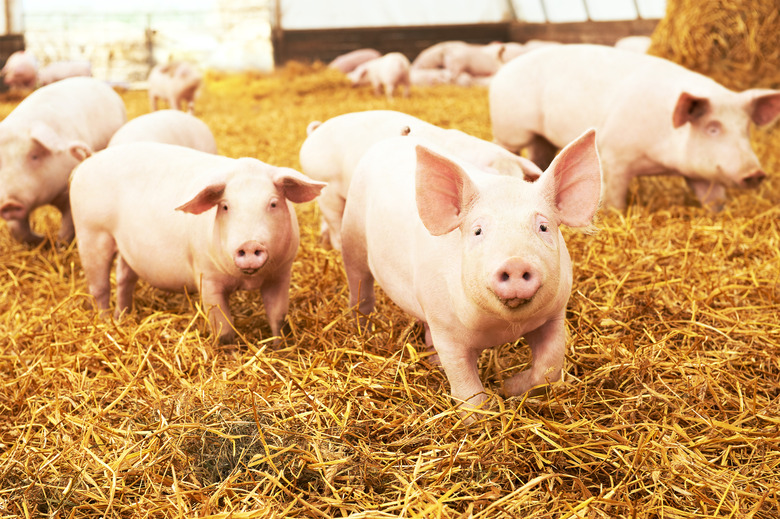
[{"x": 670, "y": 405}]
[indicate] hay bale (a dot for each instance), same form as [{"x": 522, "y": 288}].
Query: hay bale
[{"x": 737, "y": 42}]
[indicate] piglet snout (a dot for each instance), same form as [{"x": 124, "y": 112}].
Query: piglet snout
[
  {"x": 250, "y": 257},
  {"x": 515, "y": 282},
  {"x": 753, "y": 180},
  {"x": 12, "y": 211}
]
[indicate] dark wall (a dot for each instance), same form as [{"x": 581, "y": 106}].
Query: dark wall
[
  {"x": 326, "y": 44},
  {"x": 9, "y": 44}
]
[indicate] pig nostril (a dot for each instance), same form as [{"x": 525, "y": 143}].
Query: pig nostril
[
  {"x": 241, "y": 253},
  {"x": 527, "y": 276},
  {"x": 504, "y": 276},
  {"x": 257, "y": 253}
]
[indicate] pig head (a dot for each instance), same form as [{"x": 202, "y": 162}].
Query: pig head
[
  {"x": 34, "y": 170},
  {"x": 716, "y": 152}
]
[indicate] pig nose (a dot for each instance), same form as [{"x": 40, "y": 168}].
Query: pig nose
[
  {"x": 515, "y": 282},
  {"x": 12, "y": 211},
  {"x": 754, "y": 179},
  {"x": 250, "y": 257}
]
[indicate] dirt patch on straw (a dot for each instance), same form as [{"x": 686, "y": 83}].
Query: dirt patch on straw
[{"x": 670, "y": 405}]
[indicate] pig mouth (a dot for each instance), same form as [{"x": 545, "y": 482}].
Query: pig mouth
[
  {"x": 515, "y": 302},
  {"x": 250, "y": 272}
]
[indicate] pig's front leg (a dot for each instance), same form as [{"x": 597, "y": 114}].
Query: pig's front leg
[
  {"x": 215, "y": 302},
  {"x": 460, "y": 364},
  {"x": 548, "y": 350},
  {"x": 710, "y": 194},
  {"x": 276, "y": 299}
]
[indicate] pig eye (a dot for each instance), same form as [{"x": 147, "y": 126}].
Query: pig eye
[
  {"x": 543, "y": 227},
  {"x": 714, "y": 128},
  {"x": 478, "y": 231},
  {"x": 224, "y": 206},
  {"x": 273, "y": 203}
]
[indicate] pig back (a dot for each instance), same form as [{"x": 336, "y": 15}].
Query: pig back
[{"x": 81, "y": 108}]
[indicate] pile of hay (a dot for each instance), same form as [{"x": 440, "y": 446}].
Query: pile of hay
[{"x": 670, "y": 405}]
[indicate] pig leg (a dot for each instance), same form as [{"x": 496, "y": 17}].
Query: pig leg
[
  {"x": 614, "y": 190},
  {"x": 460, "y": 366},
  {"x": 67, "y": 232},
  {"x": 359, "y": 278},
  {"x": 175, "y": 102},
  {"x": 215, "y": 302},
  {"x": 541, "y": 151},
  {"x": 276, "y": 300},
  {"x": 126, "y": 279},
  {"x": 548, "y": 350},
  {"x": 332, "y": 209},
  {"x": 21, "y": 231},
  {"x": 153, "y": 102},
  {"x": 97, "y": 250},
  {"x": 710, "y": 194}
]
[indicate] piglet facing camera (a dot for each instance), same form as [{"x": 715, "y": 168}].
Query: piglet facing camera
[
  {"x": 181, "y": 219},
  {"x": 477, "y": 256}
]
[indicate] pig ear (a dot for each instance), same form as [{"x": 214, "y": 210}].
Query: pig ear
[
  {"x": 44, "y": 135},
  {"x": 764, "y": 105},
  {"x": 295, "y": 186},
  {"x": 79, "y": 150},
  {"x": 205, "y": 200},
  {"x": 689, "y": 108},
  {"x": 573, "y": 181},
  {"x": 444, "y": 192}
]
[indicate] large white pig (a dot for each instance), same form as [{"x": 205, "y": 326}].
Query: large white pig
[
  {"x": 478, "y": 257},
  {"x": 175, "y": 83},
  {"x": 653, "y": 117},
  {"x": 348, "y": 62},
  {"x": 388, "y": 72},
  {"x": 43, "y": 139},
  {"x": 169, "y": 127},
  {"x": 333, "y": 149},
  {"x": 184, "y": 219}
]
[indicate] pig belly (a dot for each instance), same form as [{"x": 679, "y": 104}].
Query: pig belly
[{"x": 158, "y": 260}]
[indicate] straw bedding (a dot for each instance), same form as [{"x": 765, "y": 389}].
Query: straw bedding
[{"x": 670, "y": 405}]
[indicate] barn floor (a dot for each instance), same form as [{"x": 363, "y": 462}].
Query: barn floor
[{"x": 670, "y": 405}]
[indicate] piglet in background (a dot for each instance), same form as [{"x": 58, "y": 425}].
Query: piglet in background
[
  {"x": 176, "y": 83},
  {"x": 59, "y": 70},
  {"x": 43, "y": 139},
  {"x": 332, "y": 150},
  {"x": 478, "y": 257},
  {"x": 348, "y": 62},
  {"x": 168, "y": 127},
  {"x": 182, "y": 219},
  {"x": 389, "y": 72},
  {"x": 653, "y": 117},
  {"x": 20, "y": 70}
]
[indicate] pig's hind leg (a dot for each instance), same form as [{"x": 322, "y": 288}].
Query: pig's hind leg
[
  {"x": 126, "y": 279},
  {"x": 97, "y": 250}
]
